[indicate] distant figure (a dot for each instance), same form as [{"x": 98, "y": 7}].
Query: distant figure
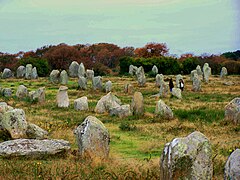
[
  {"x": 181, "y": 84},
  {"x": 171, "y": 85}
]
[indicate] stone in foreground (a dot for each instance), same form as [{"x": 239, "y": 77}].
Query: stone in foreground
[
  {"x": 92, "y": 138},
  {"x": 187, "y": 158},
  {"x": 33, "y": 148},
  {"x": 232, "y": 167},
  {"x": 232, "y": 111}
]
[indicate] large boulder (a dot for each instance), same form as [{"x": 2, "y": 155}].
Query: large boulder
[
  {"x": 21, "y": 70},
  {"x": 187, "y": 158},
  {"x": 28, "y": 74},
  {"x": 128, "y": 88},
  {"x": 196, "y": 83},
  {"x": 38, "y": 95},
  {"x": 62, "y": 97},
  {"x": 106, "y": 103},
  {"x": 34, "y": 74},
  {"x": 81, "y": 70},
  {"x": 137, "y": 105},
  {"x": 154, "y": 70},
  {"x": 89, "y": 74},
  {"x": 121, "y": 111},
  {"x": 108, "y": 86},
  {"x": 33, "y": 148},
  {"x": 232, "y": 167},
  {"x": 177, "y": 93},
  {"x": 141, "y": 76},
  {"x": 35, "y": 132},
  {"x": 178, "y": 77},
  {"x": 81, "y": 104},
  {"x": 97, "y": 83},
  {"x": 73, "y": 69},
  {"x": 232, "y": 111},
  {"x": 54, "y": 76},
  {"x": 82, "y": 83},
  {"x": 92, "y": 138},
  {"x": 159, "y": 80},
  {"x": 63, "y": 77},
  {"x": 7, "y": 73},
  {"x": 163, "y": 110},
  {"x": 223, "y": 72},
  {"x": 22, "y": 92},
  {"x": 132, "y": 70}
]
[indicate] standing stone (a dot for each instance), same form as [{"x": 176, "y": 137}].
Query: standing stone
[
  {"x": 187, "y": 158},
  {"x": 92, "y": 138},
  {"x": 73, "y": 69},
  {"x": 128, "y": 88},
  {"x": 177, "y": 93},
  {"x": 7, "y": 73},
  {"x": 193, "y": 72},
  {"x": 89, "y": 74},
  {"x": 232, "y": 111},
  {"x": 159, "y": 80},
  {"x": 54, "y": 76},
  {"x": 97, "y": 83},
  {"x": 163, "y": 110},
  {"x": 141, "y": 76},
  {"x": 108, "y": 87},
  {"x": 82, "y": 83},
  {"x": 34, "y": 74},
  {"x": 132, "y": 70},
  {"x": 223, "y": 72},
  {"x": 14, "y": 121},
  {"x": 163, "y": 92},
  {"x": 121, "y": 111},
  {"x": 154, "y": 70},
  {"x": 64, "y": 77},
  {"x": 137, "y": 105},
  {"x": 81, "y": 70},
  {"x": 81, "y": 104},
  {"x": 62, "y": 97},
  {"x": 7, "y": 92},
  {"x": 28, "y": 73},
  {"x": 38, "y": 95},
  {"x": 232, "y": 167},
  {"x": 206, "y": 72},
  {"x": 21, "y": 70},
  {"x": 199, "y": 71},
  {"x": 22, "y": 92},
  {"x": 178, "y": 77},
  {"x": 196, "y": 83}
]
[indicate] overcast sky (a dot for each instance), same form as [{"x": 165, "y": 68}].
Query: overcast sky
[{"x": 197, "y": 26}]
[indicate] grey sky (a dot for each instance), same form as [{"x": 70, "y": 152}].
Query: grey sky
[{"x": 197, "y": 26}]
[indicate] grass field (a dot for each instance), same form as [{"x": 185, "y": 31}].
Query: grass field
[{"x": 136, "y": 143}]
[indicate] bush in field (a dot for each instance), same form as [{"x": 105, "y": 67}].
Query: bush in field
[
  {"x": 101, "y": 70},
  {"x": 233, "y": 67},
  {"x": 190, "y": 64}
]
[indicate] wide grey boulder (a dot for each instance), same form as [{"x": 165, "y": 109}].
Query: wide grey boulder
[
  {"x": 81, "y": 70},
  {"x": 38, "y": 95},
  {"x": 223, "y": 72},
  {"x": 141, "y": 76},
  {"x": 89, "y": 74},
  {"x": 163, "y": 110},
  {"x": 28, "y": 74},
  {"x": 97, "y": 83},
  {"x": 21, "y": 70},
  {"x": 92, "y": 138},
  {"x": 187, "y": 158},
  {"x": 33, "y": 148},
  {"x": 132, "y": 70},
  {"x": 62, "y": 97},
  {"x": 108, "y": 86},
  {"x": 82, "y": 83},
  {"x": 232, "y": 111},
  {"x": 177, "y": 93},
  {"x": 196, "y": 83},
  {"x": 137, "y": 105},
  {"x": 154, "y": 70},
  {"x": 159, "y": 80},
  {"x": 121, "y": 111},
  {"x": 6, "y": 92},
  {"x": 54, "y": 76},
  {"x": 163, "y": 91},
  {"x": 63, "y": 77},
  {"x": 128, "y": 88},
  {"x": 106, "y": 103},
  {"x": 232, "y": 166},
  {"x": 178, "y": 77},
  {"x": 35, "y": 132},
  {"x": 7, "y": 73},
  {"x": 22, "y": 92},
  {"x": 73, "y": 69},
  {"x": 81, "y": 104},
  {"x": 34, "y": 74}
]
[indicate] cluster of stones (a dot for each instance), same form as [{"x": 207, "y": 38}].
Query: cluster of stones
[
  {"x": 37, "y": 95},
  {"x": 56, "y": 77},
  {"x": 195, "y": 77},
  {"x": 140, "y": 75}
]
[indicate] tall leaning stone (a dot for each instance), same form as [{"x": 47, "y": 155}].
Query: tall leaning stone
[
  {"x": 34, "y": 74},
  {"x": 199, "y": 71},
  {"x": 232, "y": 167},
  {"x": 92, "y": 138},
  {"x": 7, "y": 73},
  {"x": 137, "y": 105},
  {"x": 21, "y": 70},
  {"x": 223, "y": 72},
  {"x": 187, "y": 158},
  {"x": 206, "y": 72},
  {"x": 132, "y": 70},
  {"x": 196, "y": 83},
  {"x": 62, "y": 97},
  {"x": 82, "y": 83},
  {"x": 73, "y": 69},
  {"x": 193, "y": 72},
  {"x": 63, "y": 77},
  {"x": 163, "y": 91},
  {"x": 232, "y": 111},
  {"x": 28, "y": 73},
  {"x": 159, "y": 80},
  {"x": 54, "y": 76},
  {"x": 141, "y": 76},
  {"x": 108, "y": 86},
  {"x": 81, "y": 70}
]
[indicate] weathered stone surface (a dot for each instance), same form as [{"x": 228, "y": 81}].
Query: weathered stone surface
[
  {"x": 97, "y": 83},
  {"x": 81, "y": 104},
  {"x": 21, "y": 70},
  {"x": 159, "y": 80},
  {"x": 63, "y": 77},
  {"x": 35, "y": 132},
  {"x": 163, "y": 92},
  {"x": 187, "y": 158},
  {"x": 38, "y": 95},
  {"x": 232, "y": 111},
  {"x": 228, "y": 83},
  {"x": 33, "y": 147},
  {"x": 128, "y": 88},
  {"x": 137, "y": 105},
  {"x": 206, "y": 72},
  {"x": 28, "y": 73},
  {"x": 154, "y": 70},
  {"x": 34, "y": 74},
  {"x": 196, "y": 83},
  {"x": 178, "y": 77},
  {"x": 54, "y": 76},
  {"x": 163, "y": 110},
  {"x": 232, "y": 167},
  {"x": 82, "y": 83},
  {"x": 89, "y": 74},
  {"x": 22, "y": 92},
  {"x": 177, "y": 93},
  {"x": 106, "y": 103},
  {"x": 7, "y": 73},
  {"x": 73, "y": 69},
  {"x": 141, "y": 76},
  {"x": 81, "y": 70},
  {"x": 199, "y": 71},
  {"x": 92, "y": 138},
  {"x": 15, "y": 122},
  {"x": 132, "y": 70},
  {"x": 223, "y": 72},
  {"x": 193, "y": 72},
  {"x": 121, "y": 111},
  {"x": 7, "y": 92},
  {"x": 62, "y": 97},
  {"x": 4, "y": 108},
  {"x": 108, "y": 86}
]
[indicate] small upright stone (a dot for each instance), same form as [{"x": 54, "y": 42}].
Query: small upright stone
[
  {"x": 137, "y": 105},
  {"x": 73, "y": 69},
  {"x": 7, "y": 92},
  {"x": 34, "y": 74},
  {"x": 232, "y": 167},
  {"x": 62, "y": 97},
  {"x": 7, "y": 73},
  {"x": 21, "y": 70},
  {"x": 159, "y": 80},
  {"x": 163, "y": 92},
  {"x": 81, "y": 104},
  {"x": 141, "y": 76},
  {"x": 82, "y": 83},
  {"x": 97, "y": 83},
  {"x": 223, "y": 72},
  {"x": 232, "y": 111},
  {"x": 89, "y": 74},
  {"x": 64, "y": 77},
  {"x": 154, "y": 70},
  {"x": 92, "y": 138},
  {"x": 54, "y": 76},
  {"x": 28, "y": 73},
  {"x": 128, "y": 88},
  {"x": 196, "y": 83},
  {"x": 81, "y": 70},
  {"x": 108, "y": 86},
  {"x": 22, "y": 92},
  {"x": 163, "y": 110},
  {"x": 178, "y": 77},
  {"x": 177, "y": 93}
]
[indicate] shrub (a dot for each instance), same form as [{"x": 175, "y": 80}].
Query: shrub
[
  {"x": 189, "y": 64},
  {"x": 127, "y": 126}
]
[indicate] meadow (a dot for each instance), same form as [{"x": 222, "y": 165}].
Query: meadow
[{"x": 136, "y": 142}]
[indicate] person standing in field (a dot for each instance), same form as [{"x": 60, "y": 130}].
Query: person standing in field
[
  {"x": 171, "y": 85},
  {"x": 181, "y": 84}
]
